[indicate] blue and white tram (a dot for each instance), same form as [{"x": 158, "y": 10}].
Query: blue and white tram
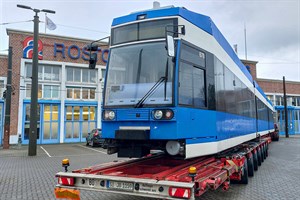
[{"x": 198, "y": 102}]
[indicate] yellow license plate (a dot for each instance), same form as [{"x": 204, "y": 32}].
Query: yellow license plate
[{"x": 62, "y": 193}]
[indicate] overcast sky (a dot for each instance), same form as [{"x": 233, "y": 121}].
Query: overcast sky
[{"x": 273, "y": 26}]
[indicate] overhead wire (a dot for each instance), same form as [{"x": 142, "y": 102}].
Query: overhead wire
[
  {"x": 17, "y": 22},
  {"x": 74, "y": 27}
]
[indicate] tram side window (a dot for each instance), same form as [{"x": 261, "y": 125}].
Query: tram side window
[
  {"x": 220, "y": 87},
  {"x": 191, "y": 86},
  {"x": 230, "y": 95},
  {"x": 192, "y": 55}
]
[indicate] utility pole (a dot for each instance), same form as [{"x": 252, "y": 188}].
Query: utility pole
[
  {"x": 34, "y": 90},
  {"x": 8, "y": 101},
  {"x": 34, "y": 82},
  {"x": 285, "y": 110}
]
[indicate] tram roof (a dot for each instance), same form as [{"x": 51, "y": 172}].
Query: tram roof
[{"x": 202, "y": 21}]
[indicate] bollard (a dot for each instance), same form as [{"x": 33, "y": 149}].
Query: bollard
[{"x": 19, "y": 141}]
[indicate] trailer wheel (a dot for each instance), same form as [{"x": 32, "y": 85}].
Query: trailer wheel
[
  {"x": 265, "y": 151},
  {"x": 262, "y": 149},
  {"x": 244, "y": 179},
  {"x": 255, "y": 161},
  {"x": 250, "y": 166},
  {"x": 259, "y": 156}
]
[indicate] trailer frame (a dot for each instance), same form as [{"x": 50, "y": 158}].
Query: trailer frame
[{"x": 165, "y": 177}]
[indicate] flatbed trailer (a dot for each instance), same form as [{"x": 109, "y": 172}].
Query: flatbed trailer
[{"x": 165, "y": 177}]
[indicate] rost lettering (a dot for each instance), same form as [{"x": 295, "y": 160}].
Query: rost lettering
[{"x": 80, "y": 53}]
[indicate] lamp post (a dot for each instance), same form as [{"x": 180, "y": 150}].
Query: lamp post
[
  {"x": 285, "y": 110},
  {"x": 34, "y": 82}
]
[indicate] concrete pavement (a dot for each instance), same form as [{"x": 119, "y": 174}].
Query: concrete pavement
[{"x": 23, "y": 177}]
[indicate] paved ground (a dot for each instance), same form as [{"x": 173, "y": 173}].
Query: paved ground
[{"x": 23, "y": 177}]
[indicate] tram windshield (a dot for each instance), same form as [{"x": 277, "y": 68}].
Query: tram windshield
[{"x": 134, "y": 70}]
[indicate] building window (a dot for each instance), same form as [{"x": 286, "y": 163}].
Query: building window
[
  {"x": 70, "y": 74},
  {"x": 293, "y": 101},
  {"x": 79, "y": 121},
  {"x": 51, "y": 92},
  {"x": 45, "y": 91},
  {"x": 50, "y": 121},
  {"x": 85, "y": 75},
  {"x": 27, "y": 121},
  {"x": 2, "y": 89},
  {"x": 79, "y": 75},
  {"x": 81, "y": 93},
  {"x": 45, "y": 72},
  {"x": 1, "y": 84},
  {"x": 103, "y": 71},
  {"x": 279, "y": 100},
  {"x": 297, "y": 101}
]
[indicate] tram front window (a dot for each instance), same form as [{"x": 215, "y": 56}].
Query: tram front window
[{"x": 132, "y": 72}]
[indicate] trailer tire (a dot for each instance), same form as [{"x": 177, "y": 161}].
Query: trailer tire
[
  {"x": 267, "y": 149},
  {"x": 263, "y": 153},
  {"x": 264, "y": 149},
  {"x": 255, "y": 161},
  {"x": 250, "y": 166},
  {"x": 244, "y": 179},
  {"x": 259, "y": 157}
]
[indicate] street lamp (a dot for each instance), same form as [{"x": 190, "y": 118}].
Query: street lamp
[{"x": 34, "y": 82}]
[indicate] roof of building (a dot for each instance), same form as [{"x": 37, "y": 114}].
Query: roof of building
[{"x": 277, "y": 81}]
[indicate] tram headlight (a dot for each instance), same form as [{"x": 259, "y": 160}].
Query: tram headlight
[
  {"x": 158, "y": 114},
  {"x": 169, "y": 114},
  {"x": 109, "y": 115},
  {"x": 163, "y": 114}
]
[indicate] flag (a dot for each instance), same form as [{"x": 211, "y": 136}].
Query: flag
[{"x": 50, "y": 24}]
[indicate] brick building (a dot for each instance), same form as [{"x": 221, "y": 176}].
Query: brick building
[
  {"x": 69, "y": 92},
  {"x": 274, "y": 91},
  {"x": 3, "y": 75}
]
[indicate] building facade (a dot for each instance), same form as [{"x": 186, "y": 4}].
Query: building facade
[
  {"x": 3, "y": 72},
  {"x": 274, "y": 91},
  {"x": 69, "y": 93}
]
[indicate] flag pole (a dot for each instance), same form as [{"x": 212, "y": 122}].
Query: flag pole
[
  {"x": 245, "y": 32},
  {"x": 45, "y": 21}
]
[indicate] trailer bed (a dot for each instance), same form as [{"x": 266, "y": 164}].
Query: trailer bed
[{"x": 162, "y": 176}]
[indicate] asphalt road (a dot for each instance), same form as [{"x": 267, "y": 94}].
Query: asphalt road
[{"x": 23, "y": 177}]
